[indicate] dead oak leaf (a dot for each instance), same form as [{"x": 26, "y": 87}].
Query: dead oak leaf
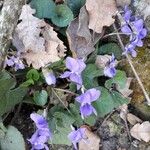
[
  {"x": 81, "y": 40},
  {"x": 141, "y": 131},
  {"x": 37, "y": 40},
  {"x": 100, "y": 13},
  {"x": 91, "y": 142}
]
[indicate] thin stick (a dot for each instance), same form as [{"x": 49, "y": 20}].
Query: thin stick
[
  {"x": 63, "y": 90},
  {"x": 133, "y": 69},
  {"x": 60, "y": 100},
  {"x": 115, "y": 33}
]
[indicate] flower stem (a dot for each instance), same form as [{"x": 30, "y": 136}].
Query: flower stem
[{"x": 132, "y": 67}]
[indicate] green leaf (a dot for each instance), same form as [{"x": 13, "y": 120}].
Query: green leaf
[
  {"x": 27, "y": 83},
  {"x": 44, "y": 8},
  {"x": 72, "y": 87},
  {"x": 63, "y": 15},
  {"x": 108, "y": 101},
  {"x": 120, "y": 79},
  {"x": 89, "y": 76},
  {"x": 9, "y": 96},
  {"x": 110, "y": 48},
  {"x": 41, "y": 97},
  {"x": 75, "y": 5},
  {"x": 13, "y": 140},
  {"x": 33, "y": 74},
  {"x": 63, "y": 122},
  {"x": 60, "y": 136},
  {"x": 91, "y": 120},
  {"x": 76, "y": 115}
]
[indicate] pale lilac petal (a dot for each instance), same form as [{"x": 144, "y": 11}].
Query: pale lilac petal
[
  {"x": 76, "y": 78},
  {"x": 82, "y": 65},
  {"x": 86, "y": 110},
  {"x": 10, "y": 62},
  {"x": 94, "y": 94},
  {"x": 39, "y": 120},
  {"x": 138, "y": 24},
  {"x": 72, "y": 64},
  {"x": 143, "y": 33},
  {"x": 66, "y": 74},
  {"x": 126, "y": 29},
  {"x": 50, "y": 78},
  {"x": 76, "y": 136}
]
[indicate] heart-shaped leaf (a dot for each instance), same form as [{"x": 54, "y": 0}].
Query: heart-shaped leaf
[{"x": 63, "y": 15}]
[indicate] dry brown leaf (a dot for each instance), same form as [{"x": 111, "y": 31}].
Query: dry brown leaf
[
  {"x": 79, "y": 36},
  {"x": 100, "y": 13},
  {"x": 37, "y": 40},
  {"x": 91, "y": 143},
  {"x": 123, "y": 3},
  {"x": 28, "y": 31},
  {"x": 132, "y": 119},
  {"x": 141, "y": 131},
  {"x": 126, "y": 92},
  {"x": 123, "y": 111},
  {"x": 101, "y": 60}
]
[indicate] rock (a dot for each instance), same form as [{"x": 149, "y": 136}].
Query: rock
[{"x": 142, "y": 7}]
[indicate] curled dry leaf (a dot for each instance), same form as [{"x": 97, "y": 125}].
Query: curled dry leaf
[
  {"x": 79, "y": 36},
  {"x": 141, "y": 131},
  {"x": 101, "y": 60},
  {"x": 123, "y": 3},
  {"x": 123, "y": 111},
  {"x": 126, "y": 92},
  {"x": 37, "y": 41},
  {"x": 132, "y": 119},
  {"x": 100, "y": 13},
  {"x": 92, "y": 141}
]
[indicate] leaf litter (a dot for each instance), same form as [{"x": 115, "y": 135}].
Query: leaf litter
[{"x": 39, "y": 42}]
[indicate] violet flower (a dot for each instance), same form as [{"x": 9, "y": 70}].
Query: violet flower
[
  {"x": 110, "y": 70},
  {"x": 15, "y": 62},
  {"x": 75, "y": 66},
  {"x": 135, "y": 29},
  {"x": 50, "y": 78},
  {"x": 86, "y": 100},
  {"x": 42, "y": 134},
  {"x": 76, "y": 136}
]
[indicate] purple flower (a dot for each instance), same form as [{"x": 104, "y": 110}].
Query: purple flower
[
  {"x": 15, "y": 62},
  {"x": 76, "y": 136},
  {"x": 42, "y": 134},
  {"x": 50, "y": 78},
  {"x": 85, "y": 100},
  {"x": 110, "y": 70},
  {"x": 135, "y": 29},
  {"x": 75, "y": 66}
]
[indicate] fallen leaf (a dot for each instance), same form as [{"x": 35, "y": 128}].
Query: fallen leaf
[
  {"x": 102, "y": 60},
  {"x": 132, "y": 119},
  {"x": 123, "y": 3},
  {"x": 91, "y": 143},
  {"x": 143, "y": 7},
  {"x": 141, "y": 131},
  {"x": 28, "y": 31},
  {"x": 37, "y": 41},
  {"x": 79, "y": 36},
  {"x": 126, "y": 92},
  {"x": 100, "y": 13},
  {"x": 123, "y": 111}
]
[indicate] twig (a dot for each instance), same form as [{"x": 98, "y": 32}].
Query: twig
[
  {"x": 108, "y": 116},
  {"x": 60, "y": 99},
  {"x": 115, "y": 33},
  {"x": 63, "y": 90},
  {"x": 132, "y": 67}
]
